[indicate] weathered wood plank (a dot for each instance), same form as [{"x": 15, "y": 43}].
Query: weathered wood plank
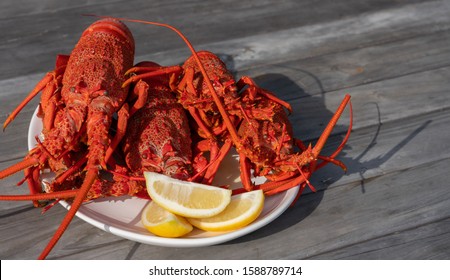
[
  {"x": 380, "y": 216},
  {"x": 345, "y": 70},
  {"x": 428, "y": 241},
  {"x": 374, "y": 103},
  {"x": 27, "y": 232},
  {"x": 317, "y": 39},
  {"x": 229, "y": 24},
  {"x": 10, "y": 9}
]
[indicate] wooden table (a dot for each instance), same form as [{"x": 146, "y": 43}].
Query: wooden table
[{"x": 392, "y": 57}]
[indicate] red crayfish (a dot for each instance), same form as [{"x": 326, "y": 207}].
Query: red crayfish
[{"x": 84, "y": 94}]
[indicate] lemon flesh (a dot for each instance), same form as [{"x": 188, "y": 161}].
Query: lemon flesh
[
  {"x": 161, "y": 222},
  {"x": 242, "y": 210},
  {"x": 186, "y": 199}
]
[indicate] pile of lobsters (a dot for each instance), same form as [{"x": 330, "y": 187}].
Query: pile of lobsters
[{"x": 107, "y": 120}]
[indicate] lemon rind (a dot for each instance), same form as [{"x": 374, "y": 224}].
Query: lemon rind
[{"x": 239, "y": 222}]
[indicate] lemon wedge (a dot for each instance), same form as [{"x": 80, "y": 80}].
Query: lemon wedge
[
  {"x": 161, "y": 222},
  {"x": 243, "y": 209},
  {"x": 186, "y": 199}
]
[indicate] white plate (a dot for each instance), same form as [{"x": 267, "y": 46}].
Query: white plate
[{"x": 121, "y": 216}]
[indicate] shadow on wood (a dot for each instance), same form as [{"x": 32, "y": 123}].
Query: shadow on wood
[{"x": 322, "y": 179}]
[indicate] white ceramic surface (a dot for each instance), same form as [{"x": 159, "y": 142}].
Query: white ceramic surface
[{"x": 121, "y": 216}]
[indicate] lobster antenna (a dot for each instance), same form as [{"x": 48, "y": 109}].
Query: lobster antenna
[{"x": 216, "y": 98}]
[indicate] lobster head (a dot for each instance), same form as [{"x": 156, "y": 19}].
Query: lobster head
[
  {"x": 222, "y": 80},
  {"x": 98, "y": 63}
]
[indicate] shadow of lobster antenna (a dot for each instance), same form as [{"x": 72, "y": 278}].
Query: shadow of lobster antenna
[
  {"x": 356, "y": 161},
  {"x": 379, "y": 160}
]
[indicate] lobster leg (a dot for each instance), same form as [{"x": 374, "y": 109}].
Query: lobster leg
[
  {"x": 150, "y": 73},
  {"x": 63, "y": 176},
  {"x": 32, "y": 177},
  {"x": 186, "y": 81},
  {"x": 326, "y": 159},
  {"x": 254, "y": 89},
  {"x": 271, "y": 188},
  {"x": 141, "y": 91},
  {"x": 42, "y": 84},
  {"x": 198, "y": 119},
  {"x": 292, "y": 183},
  {"x": 215, "y": 160},
  {"x": 50, "y": 98},
  {"x": 245, "y": 172},
  {"x": 123, "y": 116}
]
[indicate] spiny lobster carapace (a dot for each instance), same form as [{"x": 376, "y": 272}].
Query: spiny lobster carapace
[
  {"x": 91, "y": 92},
  {"x": 158, "y": 135}
]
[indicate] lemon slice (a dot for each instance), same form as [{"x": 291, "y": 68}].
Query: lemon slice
[
  {"x": 186, "y": 199},
  {"x": 161, "y": 222},
  {"x": 243, "y": 209}
]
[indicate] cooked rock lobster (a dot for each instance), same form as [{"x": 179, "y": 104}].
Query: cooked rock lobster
[{"x": 105, "y": 122}]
